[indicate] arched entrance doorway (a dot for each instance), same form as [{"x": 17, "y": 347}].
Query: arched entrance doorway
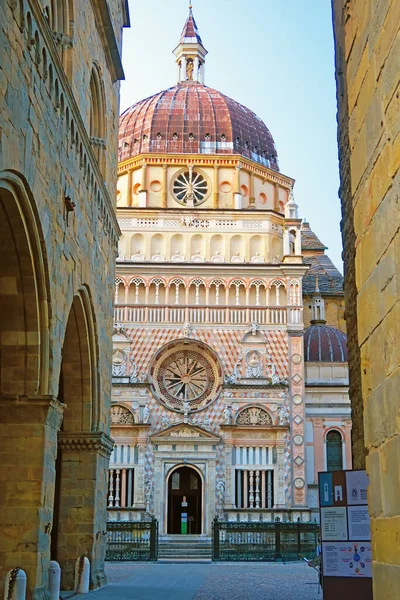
[{"x": 185, "y": 491}]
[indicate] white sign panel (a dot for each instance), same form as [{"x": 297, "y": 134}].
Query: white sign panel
[
  {"x": 334, "y": 523},
  {"x": 357, "y": 484},
  {"x": 347, "y": 559},
  {"x": 359, "y": 528}
]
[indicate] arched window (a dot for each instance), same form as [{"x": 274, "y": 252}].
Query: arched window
[
  {"x": 334, "y": 457},
  {"x": 97, "y": 117}
]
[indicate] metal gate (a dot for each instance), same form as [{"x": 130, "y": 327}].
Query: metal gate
[
  {"x": 132, "y": 540},
  {"x": 263, "y": 541}
]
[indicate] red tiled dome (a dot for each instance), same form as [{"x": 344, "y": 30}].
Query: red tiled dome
[
  {"x": 324, "y": 344},
  {"x": 191, "y": 118}
]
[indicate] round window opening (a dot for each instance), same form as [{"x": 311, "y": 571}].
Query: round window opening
[
  {"x": 190, "y": 188},
  {"x": 186, "y": 376}
]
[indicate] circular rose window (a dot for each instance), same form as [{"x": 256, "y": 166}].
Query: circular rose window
[
  {"x": 190, "y": 187},
  {"x": 186, "y": 376}
]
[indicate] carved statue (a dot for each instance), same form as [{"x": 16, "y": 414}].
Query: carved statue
[
  {"x": 118, "y": 363},
  {"x": 189, "y": 70},
  {"x": 165, "y": 421},
  {"x": 137, "y": 257},
  {"x": 133, "y": 378},
  {"x": 254, "y": 328},
  {"x": 283, "y": 415},
  {"x": 237, "y": 258},
  {"x": 254, "y": 364},
  {"x": 217, "y": 258},
  {"x": 146, "y": 413},
  {"x": 257, "y": 258},
  {"x": 227, "y": 415},
  {"x": 206, "y": 422},
  {"x": 186, "y": 408}
]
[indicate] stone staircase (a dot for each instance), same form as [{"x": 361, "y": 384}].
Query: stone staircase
[{"x": 184, "y": 548}]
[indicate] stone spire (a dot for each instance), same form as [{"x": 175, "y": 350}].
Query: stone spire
[
  {"x": 317, "y": 307},
  {"x": 190, "y": 52}
]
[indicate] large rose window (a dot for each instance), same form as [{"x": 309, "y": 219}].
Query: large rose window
[
  {"x": 186, "y": 376},
  {"x": 190, "y": 188}
]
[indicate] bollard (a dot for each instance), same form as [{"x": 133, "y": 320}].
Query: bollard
[
  {"x": 82, "y": 575},
  {"x": 15, "y": 588},
  {"x": 54, "y": 580}
]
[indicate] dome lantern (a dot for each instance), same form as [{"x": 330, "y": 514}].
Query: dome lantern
[
  {"x": 190, "y": 52},
  {"x": 317, "y": 306}
]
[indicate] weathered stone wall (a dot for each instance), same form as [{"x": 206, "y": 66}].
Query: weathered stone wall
[
  {"x": 57, "y": 256},
  {"x": 367, "y": 71}
]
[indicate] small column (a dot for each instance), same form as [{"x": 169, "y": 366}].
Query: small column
[
  {"x": 183, "y": 68},
  {"x": 277, "y": 197},
  {"x": 110, "y": 488},
  {"x": 179, "y": 71},
  {"x": 286, "y": 242},
  {"x": 252, "y": 199},
  {"x": 257, "y": 489},
  {"x": 251, "y": 489},
  {"x": 130, "y": 185},
  {"x": 297, "y": 243},
  {"x": 123, "y": 488},
  {"x": 165, "y": 184},
  {"x": 140, "y": 476},
  {"x": 143, "y": 191},
  {"x": 245, "y": 489},
  {"x": 228, "y": 503},
  {"x": 263, "y": 498},
  {"x": 237, "y": 196},
  {"x": 216, "y": 190},
  {"x": 196, "y": 74},
  {"x": 117, "y": 484},
  {"x": 281, "y": 476},
  {"x": 270, "y": 499}
]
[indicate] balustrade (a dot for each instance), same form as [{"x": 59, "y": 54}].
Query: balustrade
[
  {"x": 269, "y": 315},
  {"x": 121, "y": 484},
  {"x": 254, "y": 488}
]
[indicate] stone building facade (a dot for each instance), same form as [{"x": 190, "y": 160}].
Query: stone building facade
[
  {"x": 367, "y": 40},
  {"x": 59, "y": 100},
  {"x": 213, "y": 401}
]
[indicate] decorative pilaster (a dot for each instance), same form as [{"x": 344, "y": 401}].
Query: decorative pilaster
[
  {"x": 297, "y": 425},
  {"x": 165, "y": 186},
  {"x": 130, "y": 186},
  {"x": 216, "y": 187}
]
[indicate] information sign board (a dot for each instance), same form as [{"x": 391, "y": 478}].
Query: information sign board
[{"x": 345, "y": 535}]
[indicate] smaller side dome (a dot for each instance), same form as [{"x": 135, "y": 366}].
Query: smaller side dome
[{"x": 324, "y": 344}]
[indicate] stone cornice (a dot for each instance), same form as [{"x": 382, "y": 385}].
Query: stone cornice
[
  {"x": 222, "y": 160},
  {"x": 82, "y": 441}
]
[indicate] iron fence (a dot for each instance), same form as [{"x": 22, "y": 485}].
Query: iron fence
[
  {"x": 263, "y": 541},
  {"x": 132, "y": 540}
]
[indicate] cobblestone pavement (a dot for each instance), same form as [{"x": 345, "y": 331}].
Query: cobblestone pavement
[{"x": 221, "y": 581}]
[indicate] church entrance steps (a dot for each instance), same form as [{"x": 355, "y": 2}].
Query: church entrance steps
[{"x": 184, "y": 548}]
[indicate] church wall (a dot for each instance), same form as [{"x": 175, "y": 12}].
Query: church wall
[{"x": 367, "y": 75}]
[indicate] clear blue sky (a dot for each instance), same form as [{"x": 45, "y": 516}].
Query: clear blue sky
[{"x": 274, "y": 56}]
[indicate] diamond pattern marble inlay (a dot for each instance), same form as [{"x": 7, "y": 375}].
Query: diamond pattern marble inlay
[
  {"x": 297, "y": 419},
  {"x": 298, "y": 461}
]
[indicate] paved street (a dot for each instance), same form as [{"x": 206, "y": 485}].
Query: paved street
[{"x": 228, "y": 581}]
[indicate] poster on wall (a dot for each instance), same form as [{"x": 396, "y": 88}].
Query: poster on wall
[
  {"x": 333, "y": 523},
  {"x": 357, "y": 485},
  {"x": 345, "y": 535},
  {"x": 359, "y": 524},
  {"x": 347, "y": 559}
]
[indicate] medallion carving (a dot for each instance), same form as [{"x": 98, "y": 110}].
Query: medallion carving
[
  {"x": 121, "y": 416},
  {"x": 254, "y": 416},
  {"x": 186, "y": 377}
]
